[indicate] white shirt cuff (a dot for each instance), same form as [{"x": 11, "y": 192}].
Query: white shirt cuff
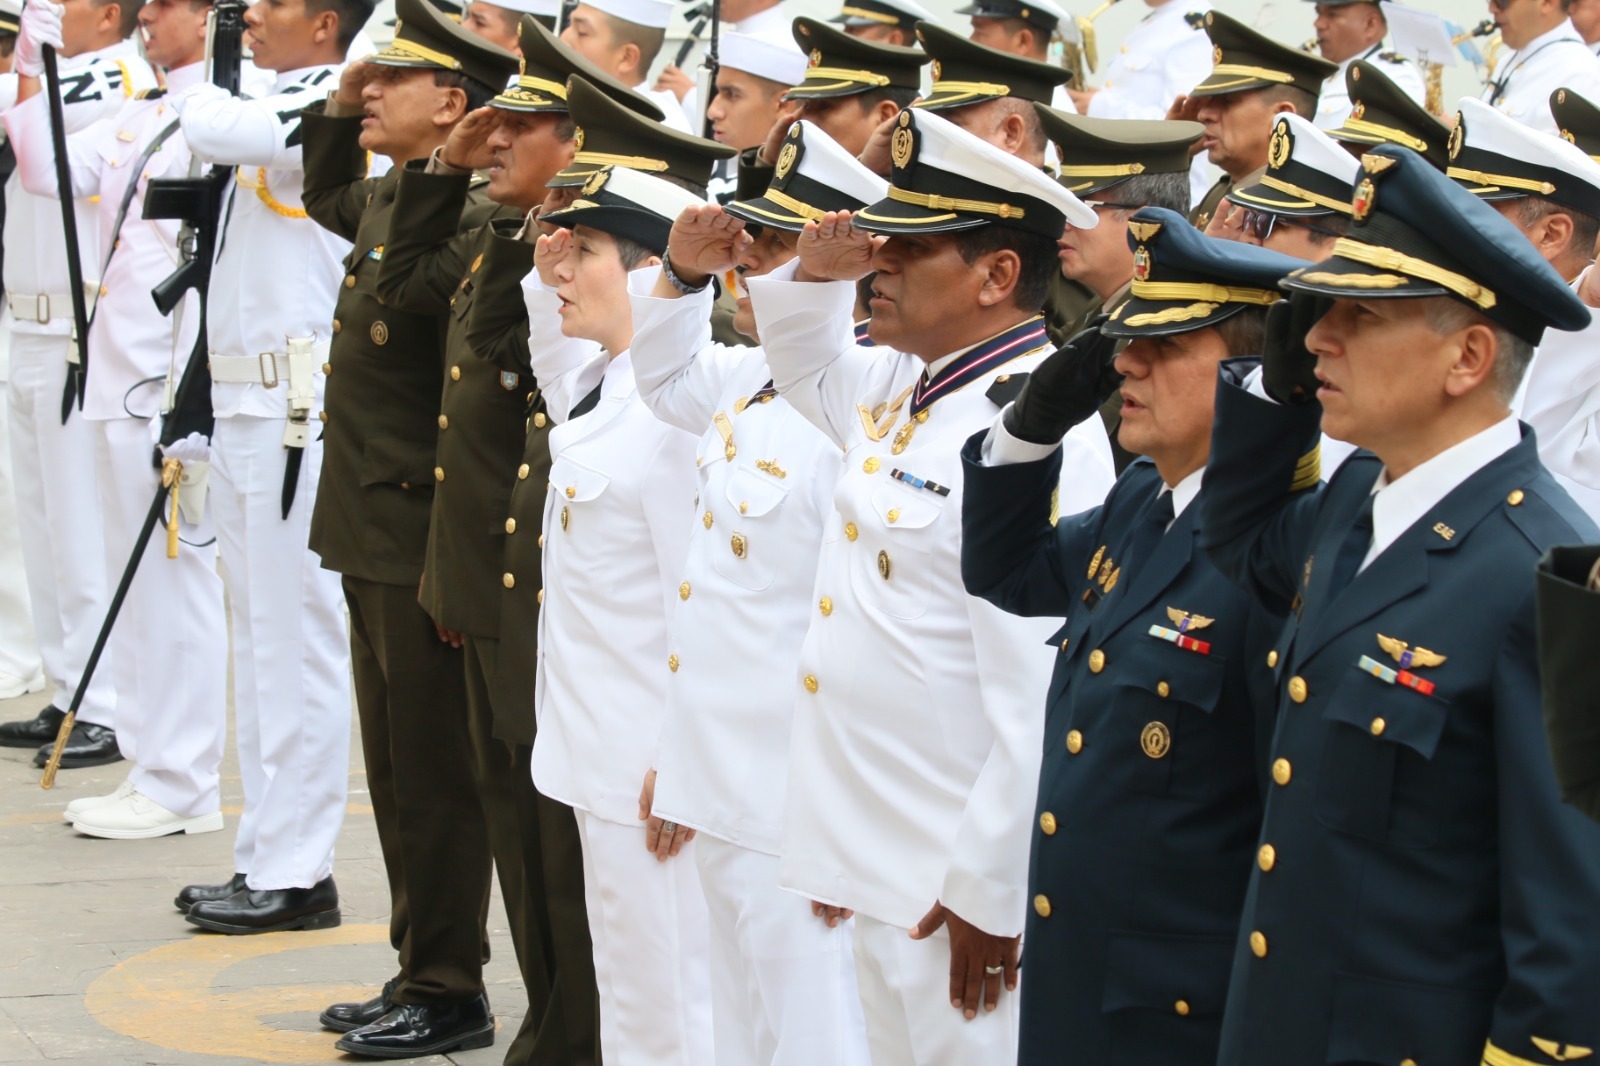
[{"x": 1000, "y": 448}]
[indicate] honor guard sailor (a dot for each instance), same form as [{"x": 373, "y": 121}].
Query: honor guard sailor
[
  {"x": 622, "y": 38},
  {"x": 172, "y": 728},
  {"x": 1161, "y": 703},
  {"x": 1415, "y": 860},
  {"x": 912, "y": 831},
  {"x": 370, "y": 526},
  {"x": 1543, "y": 53},
  {"x": 1350, "y": 31}
]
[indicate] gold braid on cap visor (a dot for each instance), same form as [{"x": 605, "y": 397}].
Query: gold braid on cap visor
[
  {"x": 1386, "y": 133},
  {"x": 1389, "y": 259},
  {"x": 416, "y": 51},
  {"x": 1196, "y": 290}
]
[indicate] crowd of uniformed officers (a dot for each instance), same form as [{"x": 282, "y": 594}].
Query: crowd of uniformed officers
[{"x": 920, "y": 575}]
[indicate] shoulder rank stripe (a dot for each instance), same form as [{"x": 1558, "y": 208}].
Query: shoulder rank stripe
[
  {"x": 1308, "y": 471},
  {"x": 1201, "y": 647},
  {"x": 1372, "y": 666},
  {"x": 979, "y": 360}
]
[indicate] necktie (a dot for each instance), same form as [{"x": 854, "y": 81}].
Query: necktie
[
  {"x": 1356, "y": 544},
  {"x": 587, "y": 404},
  {"x": 1148, "y": 530}
]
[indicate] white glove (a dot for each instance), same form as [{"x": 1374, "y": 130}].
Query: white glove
[
  {"x": 194, "y": 452},
  {"x": 41, "y": 25},
  {"x": 200, "y": 92}
]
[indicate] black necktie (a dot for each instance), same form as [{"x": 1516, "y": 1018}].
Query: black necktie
[
  {"x": 1356, "y": 544},
  {"x": 1148, "y": 529},
  {"x": 587, "y": 404}
]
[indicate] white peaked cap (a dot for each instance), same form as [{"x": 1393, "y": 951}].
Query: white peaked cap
[
  {"x": 826, "y": 162},
  {"x": 547, "y": 8},
  {"x": 765, "y": 55},
  {"x": 653, "y": 13},
  {"x": 653, "y": 194},
  {"x": 1527, "y": 157}
]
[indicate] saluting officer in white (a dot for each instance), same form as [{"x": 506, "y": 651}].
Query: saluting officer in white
[
  {"x": 616, "y": 528},
  {"x": 1544, "y": 52},
  {"x": 171, "y": 723},
  {"x": 915, "y": 749},
  {"x": 1348, "y": 30},
  {"x": 270, "y": 316},
  {"x": 783, "y": 985},
  {"x": 59, "y": 520}
]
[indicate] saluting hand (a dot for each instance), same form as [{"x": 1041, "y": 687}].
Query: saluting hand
[
  {"x": 705, "y": 240},
  {"x": 549, "y": 252},
  {"x": 353, "y": 83},
  {"x": 876, "y": 156},
  {"x": 979, "y": 962},
  {"x": 1068, "y": 387},
  {"x": 1288, "y": 369},
  {"x": 831, "y": 249},
  {"x": 787, "y": 114},
  {"x": 467, "y": 147}
]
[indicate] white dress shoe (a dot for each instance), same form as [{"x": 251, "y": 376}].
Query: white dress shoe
[
  {"x": 137, "y": 817},
  {"x": 84, "y": 804},
  {"x": 12, "y": 686}
]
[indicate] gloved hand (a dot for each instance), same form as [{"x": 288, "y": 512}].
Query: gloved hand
[
  {"x": 194, "y": 452},
  {"x": 1067, "y": 388},
  {"x": 1286, "y": 364},
  {"x": 41, "y": 25}
]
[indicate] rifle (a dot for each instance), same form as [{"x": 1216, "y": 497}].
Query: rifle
[
  {"x": 565, "y": 16},
  {"x": 706, "y": 76},
  {"x": 77, "y": 368},
  {"x": 197, "y": 201}
]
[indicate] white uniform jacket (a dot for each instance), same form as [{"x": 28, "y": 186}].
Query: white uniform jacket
[
  {"x": 94, "y": 86},
  {"x": 1523, "y": 80},
  {"x": 917, "y": 732},
  {"x": 129, "y": 340},
  {"x": 1333, "y": 103},
  {"x": 616, "y": 526},
  {"x": 1560, "y": 399},
  {"x": 277, "y": 272},
  {"x": 766, "y": 478},
  {"x": 1162, "y": 59}
]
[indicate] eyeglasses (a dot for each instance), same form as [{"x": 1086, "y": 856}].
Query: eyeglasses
[{"x": 1259, "y": 224}]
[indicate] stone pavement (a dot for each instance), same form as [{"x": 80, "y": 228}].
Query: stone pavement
[{"x": 97, "y": 967}]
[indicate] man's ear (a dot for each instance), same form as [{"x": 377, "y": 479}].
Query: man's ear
[
  {"x": 452, "y": 107},
  {"x": 327, "y": 27},
  {"x": 884, "y": 111},
  {"x": 109, "y": 20},
  {"x": 628, "y": 63},
  {"x": 1477, "y": 355},
  {"x": 1002, "y": 273},
  {"x": 1554, "y": 235},
  {"x": 1016, "y": 133}
]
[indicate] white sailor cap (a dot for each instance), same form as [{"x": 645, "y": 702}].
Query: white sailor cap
[
  {"x": 764, "y": 55},
  {"x": 628, "y": 203},
  {"x": 652, "y": 13},
  {"x": 537, "y": 8},
  {"x": 813, "y": 175},
  {"x": 1308, "y": 173},
  {"x": 944, "y": 179},
  {"x": 1498, "y": 158}
]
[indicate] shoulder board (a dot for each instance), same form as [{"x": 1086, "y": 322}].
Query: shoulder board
[
  {"x": 150, "y": 94},
  {"x": 1392, "y": 57},
  {"x": 1006, "y": 388},
  {"x": 1196, "y": 20},
  {"x": 477, "y": 180}
]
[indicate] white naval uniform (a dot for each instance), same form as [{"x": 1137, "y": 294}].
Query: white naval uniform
[
  {"x": 1524, "y": 79},
  {"x": 276, "y": 275},
  {"x": 1333, "y": 103},
  {"x": 1560, "y": 399},
  {"x": 170, "y": 723},
  {"x": 615, "y": 532},
  {"x": 783, "y": 989},
  {"x": 60, "y": 522},
  {"x": 917, "y": 736}
]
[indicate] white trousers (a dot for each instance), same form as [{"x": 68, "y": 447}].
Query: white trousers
[
  {"x": 19, "y": 650},
  {"x": 291, "y": 658},
  {"x": 647, "y": 920},
  {"x": 783, "y": 985},
  {"x": 59, "y": 520},
  {"x": 905, "y": 992},
  {"x": 170, "y": 642}
]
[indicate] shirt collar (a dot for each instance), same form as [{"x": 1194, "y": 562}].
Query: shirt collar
[
  {"x": 1184, "y": 492},
  {"x": 289, "y": 77},
  {"x": 180, "y": 78},
  {"x": 618, "y": 380},
  {"x": 1400, "y": 503}
]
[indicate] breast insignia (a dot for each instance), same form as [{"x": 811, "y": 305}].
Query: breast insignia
[
  {"x": 1186, "y": 621},
  {"x": 1407, "y": 656}
]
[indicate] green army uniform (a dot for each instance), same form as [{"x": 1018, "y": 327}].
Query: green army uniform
[
  {"x": 370, "y": 524},
  {"x": 1243, "y": 61}
]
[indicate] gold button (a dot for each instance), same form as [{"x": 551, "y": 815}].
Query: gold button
[
  {"x": 1267, "y": 857},
  {"x": 522, "y": 472},
  {"x": 737, "y": 544},
  {"x": 850, "y": 531},
  {"x": 894, "y": 515},
  {"x": 539, "y": 420},
  {"x": 825, "y": 605},
  {"x": 540, "y": 597},
  {"x": 1258, "y": 944},
  {"x": 1064, "y": 642},
  {"x": 572, "y": 491},
  {"x": 541, "y": 540},
  {"x": 872, "y": 464},
  {"x": 349, "y": 281},
  {"x": 744, "y": 506},
  {"x": 1074, "y": 742},
  {"x": 322, "y": 416},
  {"x": 1047, "y": 824},
  {"x": 511, "y": 525},
  {"x": 327, "y": 368},
  {"x": 444, "y": 421},
  {"x": 885, "y": 565},
  {"x": 683, "y": 591},
  {"x": 1097, "y": 661},
  {"x": 1378, "y": 726},
  {"x": 1163, "y": 689},
  {"x": 672, "y": 663},
  {"x": 455, "y": 373},
  {"x": 336, "y": 326},
  {"x": 1272, "y": 657},
  {"x": 1182, "y": 1007},
  {"x": 1297, "y": 689},
  {"x": 438, "y": 473},
  {"x": 509, "y": 580},
  {"x": 1515, "y": 498},
  {"x": 1041, "y": 906},
  {"x": 810, "y": 683},
  {"x": 1282, "y": 771},
  {"x": 706, "y": 519},
  {"x": 566, "y": 518},
  {"x": 1408, "y": 1062}
]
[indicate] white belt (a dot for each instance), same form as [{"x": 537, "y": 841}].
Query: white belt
[
  {"x": 268, "y": 369},
  {"x": 45, "y": 306}
]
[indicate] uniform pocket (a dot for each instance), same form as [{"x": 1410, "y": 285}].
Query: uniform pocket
[
  {"x": 1375, "y": 1020},
  {"x": 754, "y": 506},
  {"x": 1165, "y": 699},
  {"x": 894, "y": 572},
  {"x": 1164, "y": 995},
  {"x": 397, "y": 490}
]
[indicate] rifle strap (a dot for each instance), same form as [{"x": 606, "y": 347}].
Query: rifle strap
[{"x": 136, "y": 176}]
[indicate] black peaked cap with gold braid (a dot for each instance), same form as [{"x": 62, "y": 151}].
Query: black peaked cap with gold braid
[
  {"x": 611, "y": 134},
  {"x": 1184, "y": 280},
  {"x": 842, "y": 65},
  {"x": 813, "y": 175},
  {"x": 627, "y": 203},
  {"x": 1308, "y": 173},
  {"x": 1498, "y": 158},
  {"x": 547, "y": 63},
  {"x": 1418, "y": 233},
  {"x": 426, "y": 38},
  {"x": 1106, "y": 151},
  {"x": 1383, "y": 113},
  {"x": 11, "y": 17},
  {"x": 1243, "y": 59},
  {"x": 1579, "y": 121},
  {"x": 966, "y": 72}
]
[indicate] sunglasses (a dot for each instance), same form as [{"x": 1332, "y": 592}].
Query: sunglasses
[{"x": 1259, "y": 224}]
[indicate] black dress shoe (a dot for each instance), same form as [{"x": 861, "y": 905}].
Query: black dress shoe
[
  {"x": 40, "y": 729},
  {"x": 270, "y": 910},
  {"x": 87, "y": 745},
  {"x": 343, "y": 1017},
  {"x": 189, "y": 895},
  {"x": 412, "y": 1030}
]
